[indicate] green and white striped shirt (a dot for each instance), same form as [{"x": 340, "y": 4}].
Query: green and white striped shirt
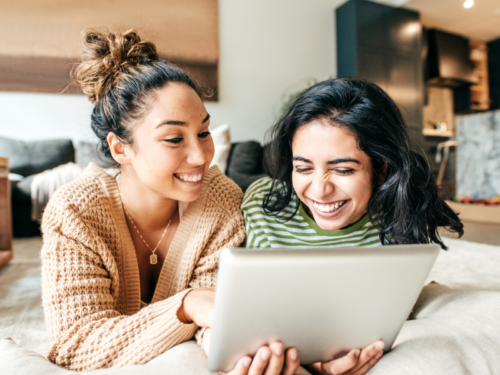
[{"x": 301, "y": 230}]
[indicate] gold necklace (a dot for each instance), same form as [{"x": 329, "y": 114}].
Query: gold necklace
[{"x": 153, "y": 258}]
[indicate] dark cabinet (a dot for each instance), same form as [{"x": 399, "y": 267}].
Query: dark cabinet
[
  {"x": 494, "y": 72},
  {"x": 384, "y": 45}
]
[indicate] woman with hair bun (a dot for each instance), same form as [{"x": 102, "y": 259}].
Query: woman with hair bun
[{"x": 129, "y": 259}]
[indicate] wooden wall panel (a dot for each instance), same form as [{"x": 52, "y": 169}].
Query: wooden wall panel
[
  {"x": 44, "y": 38},
  {"x": 52, "y": 74}
]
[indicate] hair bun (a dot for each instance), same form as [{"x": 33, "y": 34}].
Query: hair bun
[{"x": 105, "y": 56}]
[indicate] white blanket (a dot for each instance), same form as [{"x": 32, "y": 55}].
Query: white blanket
[
  {"x": 45, "y": 184},
  {"x": 450, "y": 332}
]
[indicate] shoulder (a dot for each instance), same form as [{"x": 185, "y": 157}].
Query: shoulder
[
  {"x": 89, "y": 190},
  {"x": 257, "y": 192},
  {"x": 221, "y": 192}
]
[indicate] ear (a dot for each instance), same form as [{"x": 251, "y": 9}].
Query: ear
[
  {"x": 120, "y": 152},
  {"x": 383, "y": 174}
]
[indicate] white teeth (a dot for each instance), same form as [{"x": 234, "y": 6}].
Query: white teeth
[
  {"x": 190, "y": 178},
  {"x": 328, "y": 207}
]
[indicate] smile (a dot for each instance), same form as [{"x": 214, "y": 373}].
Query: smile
[
  {"x": 189, "y": 178},
  {"x": 193, "y": 177},
  {"x": 326, "y": 208}
]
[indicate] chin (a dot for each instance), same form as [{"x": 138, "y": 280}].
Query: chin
[
  {"x": 188, "y": 198},
  {"x": 331, "y": 226}
]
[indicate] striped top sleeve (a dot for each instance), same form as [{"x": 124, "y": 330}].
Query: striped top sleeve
[{"x": 266, "y": 230}]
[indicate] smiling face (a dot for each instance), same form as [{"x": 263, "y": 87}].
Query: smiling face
[
  {"x": 172, "y": 148},
  {"x": 331, "y": 175}
]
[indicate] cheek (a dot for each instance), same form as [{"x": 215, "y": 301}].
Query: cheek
[
  {"x": 209, "y": 150},
  {"x": 361, "y": 189},
  {"x": 159, "y": 161},
  {"x": 300, "y": 183}
]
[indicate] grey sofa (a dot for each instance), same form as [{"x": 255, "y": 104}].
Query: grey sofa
[{"x": 27, "y": 158}]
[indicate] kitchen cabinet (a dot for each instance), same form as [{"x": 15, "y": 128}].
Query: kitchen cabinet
[{"x": 383, "y": 44}]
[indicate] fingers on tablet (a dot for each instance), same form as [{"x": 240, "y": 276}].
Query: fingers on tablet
[
  {"x": 367, "y": 366},
  {"x": 260, "y": 361},
  {"x": 369, "y": 357},
  {"x": 292, "y": 361},
  {"x": 277, "y": 359},
  {"x": 341, "y": 365},
  {"x": 371, "y": 351},
  {"x": 241, "y": 367}
]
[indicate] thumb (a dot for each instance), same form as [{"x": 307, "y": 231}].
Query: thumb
[
  {"x": 206, "y": 340},
  {"x": 210, "y": 317}
]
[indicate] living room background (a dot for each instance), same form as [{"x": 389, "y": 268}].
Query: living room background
[{"x": 266, "y": 48}]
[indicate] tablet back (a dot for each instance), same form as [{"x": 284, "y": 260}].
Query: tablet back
[{"x": 321, "y": 301}]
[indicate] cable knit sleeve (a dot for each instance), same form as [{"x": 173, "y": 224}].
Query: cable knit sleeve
[
  {"x": 80, "y": 285},
  {"x": 228, "y": 232}
]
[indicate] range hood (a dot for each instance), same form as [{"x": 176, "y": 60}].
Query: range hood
[{"x": 448, "y": 61}]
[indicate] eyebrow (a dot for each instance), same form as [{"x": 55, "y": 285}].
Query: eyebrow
[
  {"x": 180, "y": 123},
  {"x": 336, "y": 161}
]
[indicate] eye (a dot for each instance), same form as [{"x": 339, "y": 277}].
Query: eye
[
  {"x": 204, "y": 134},
  {"x": 302, "y": 170},
  {"x": 174, "y": 140},
  {"x": 344, "y": 171}
]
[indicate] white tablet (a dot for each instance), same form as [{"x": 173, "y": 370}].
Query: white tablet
[{"x": 322, "y": 301}]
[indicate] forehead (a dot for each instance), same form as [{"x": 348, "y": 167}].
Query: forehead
[
  {"x": 320, "y": 139},
  {"x": 176, "y": 100}
]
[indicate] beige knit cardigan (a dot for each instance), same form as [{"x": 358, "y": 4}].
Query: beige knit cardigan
[{"x": 90, "y": 276}]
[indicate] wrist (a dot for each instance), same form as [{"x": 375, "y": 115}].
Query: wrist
[
  {"x": 197, "y": 307},
  {"x": 182, "y": 313}
]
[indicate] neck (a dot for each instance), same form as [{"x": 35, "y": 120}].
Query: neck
[{"x": 148, "y": 209}]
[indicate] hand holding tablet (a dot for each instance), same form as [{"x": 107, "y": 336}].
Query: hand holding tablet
[
  {"x": 271, "y": 360},
  {"x": 321, "y": 301}
]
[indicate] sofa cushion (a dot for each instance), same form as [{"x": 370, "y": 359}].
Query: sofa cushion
[
  {"x": 221, "y": 137},
  {"x": 31, "y": 157},
  {"x": 22, "y": 190},
  {"x": 89, "y": 151},
  {"x": 245, "y": 158},
  {"x": 245, "y": 180}
]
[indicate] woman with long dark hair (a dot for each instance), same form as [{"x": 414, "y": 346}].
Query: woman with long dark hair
[{"x": 344, "y": 173}]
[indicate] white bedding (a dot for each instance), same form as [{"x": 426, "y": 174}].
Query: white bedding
[
  {"x": 449, "y": 332},
  {"x": 454, "y": 328}
]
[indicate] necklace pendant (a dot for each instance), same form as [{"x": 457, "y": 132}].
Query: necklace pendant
[{"x": 153, "y": 259}]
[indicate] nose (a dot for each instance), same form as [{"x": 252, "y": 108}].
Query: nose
[
  {"x": 196, "y": 154},
  {"x": 321, "y": 186}
]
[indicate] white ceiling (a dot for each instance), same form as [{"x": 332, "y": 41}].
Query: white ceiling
[{"x": 481, "y": 22}]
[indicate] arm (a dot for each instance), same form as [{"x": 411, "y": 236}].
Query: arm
[
  {"x": 226, "y": 231},
  {"x": 231, "y": 234},
  {"x": 81, "y": 294}
]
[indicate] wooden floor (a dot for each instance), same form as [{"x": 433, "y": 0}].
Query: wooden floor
[{"x": 21, "y": 312}]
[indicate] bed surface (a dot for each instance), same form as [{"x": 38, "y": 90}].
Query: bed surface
[{"x": 454, "y": 327}]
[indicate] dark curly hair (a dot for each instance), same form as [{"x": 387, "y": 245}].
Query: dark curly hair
[
  {"x": 406, "y": 208},
  {"x": 120, "y": 74}
]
